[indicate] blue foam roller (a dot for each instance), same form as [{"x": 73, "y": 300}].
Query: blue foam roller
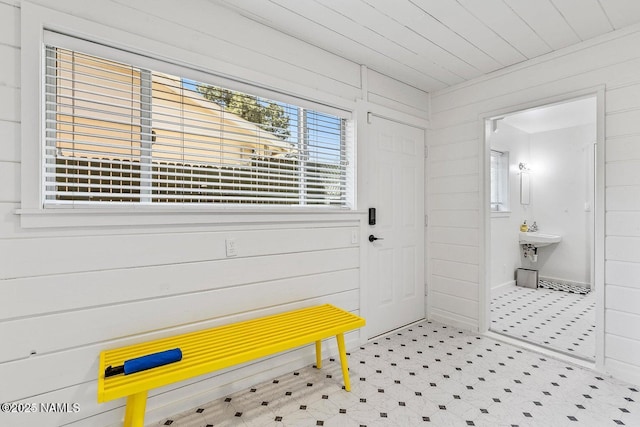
[{"x": 152, "y": 361}]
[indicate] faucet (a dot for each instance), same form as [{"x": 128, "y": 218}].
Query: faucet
[{"x": 533, "y": 227}]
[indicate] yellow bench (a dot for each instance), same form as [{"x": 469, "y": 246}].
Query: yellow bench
[{"x": 222, "y": 347}]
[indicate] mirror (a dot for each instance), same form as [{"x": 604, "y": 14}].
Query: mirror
[
  {"x": 560, "y": 313},
  {"x": 525, "y": 185}
]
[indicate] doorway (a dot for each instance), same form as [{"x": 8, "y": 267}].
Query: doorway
[
  {"x": 396, "y": 290},
  {"x": 541, "y": 281}
]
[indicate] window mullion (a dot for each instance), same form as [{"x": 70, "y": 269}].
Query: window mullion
[
  {"x": 343, "y": 161},
  {"x": 303, "y": 141},
  {"x": 50, "y": 120},
  {"x": 146, "y": 137}
]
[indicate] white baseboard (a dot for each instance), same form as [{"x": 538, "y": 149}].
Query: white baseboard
[
  {"x": 454, "y": 320},
  {"x": 502, "y": 288},
  {"x": 622, "y": 371}
]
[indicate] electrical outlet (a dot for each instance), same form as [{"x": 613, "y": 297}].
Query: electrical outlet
[
  {"x": 354, "y": 236},
  {"x": 232, "y": 247}
]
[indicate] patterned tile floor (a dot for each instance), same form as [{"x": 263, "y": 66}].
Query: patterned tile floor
[
  {"x": 559, "y": 320},
  {"x": 567, "y": 287},
  {"x": 430, "y": 374}
]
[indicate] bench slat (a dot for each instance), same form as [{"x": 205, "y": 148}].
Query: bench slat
[
  {"x": 222, "y": 347},
  {"x": 232, "y": 337},
  {"x": 283, "y": 320}
]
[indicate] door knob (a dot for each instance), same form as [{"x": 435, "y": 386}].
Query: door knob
[{"x": 373, "y": 238}]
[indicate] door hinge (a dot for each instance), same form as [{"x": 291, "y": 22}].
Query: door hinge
[{"x": 426, "y": 151}]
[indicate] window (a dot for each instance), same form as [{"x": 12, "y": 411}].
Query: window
[
  {"x": 117, "y": 133},
  {"x": 499, "y": 181}
]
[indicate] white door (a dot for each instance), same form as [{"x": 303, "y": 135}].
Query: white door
[{"x": 396, "y": 261}]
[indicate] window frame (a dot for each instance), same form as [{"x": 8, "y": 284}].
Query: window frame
[
  {"x": 101, "y": 150},
  {"x": 36, "y": 21}
]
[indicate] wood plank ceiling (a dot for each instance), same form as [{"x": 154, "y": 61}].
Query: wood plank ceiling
[{"x": 433, "y": 44}]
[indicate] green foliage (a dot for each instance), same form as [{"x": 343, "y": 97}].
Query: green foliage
[{"x": 270, "y": 117}]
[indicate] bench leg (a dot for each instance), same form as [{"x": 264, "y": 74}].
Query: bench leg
[
  {"x": 136, "y": 405},
  {"x": 318, "y": 354},
  {"x": 343, "y": 361}
]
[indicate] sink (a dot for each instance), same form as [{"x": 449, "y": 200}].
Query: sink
[{"x": 538, "y": 239}]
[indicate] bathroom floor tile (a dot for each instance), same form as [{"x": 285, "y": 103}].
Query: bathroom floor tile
[{"x": 559, "y": 320}]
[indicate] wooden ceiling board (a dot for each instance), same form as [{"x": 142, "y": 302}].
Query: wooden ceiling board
[
  {"x": 301, "y": 27},
  {"x": 548, "y": 23},
  {"x": 460, "y": 21},
  {"x": 372, "y": 19},
  {"x": 351, "y": 30},
  {"x": 586, "y": 17},
  {"x": 433, "y": 44},
  {"x": 430, "y": 29},
  {"x": 505, "y": 22},
  {"x": 621, "y": 12}
]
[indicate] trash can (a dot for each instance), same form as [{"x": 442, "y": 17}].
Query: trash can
[{"x": 527, "y": 278}]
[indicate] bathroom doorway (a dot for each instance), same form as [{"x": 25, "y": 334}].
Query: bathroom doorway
[{"x": 541, "y": 232}]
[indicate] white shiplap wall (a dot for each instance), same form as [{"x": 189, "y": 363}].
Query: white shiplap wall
[
  {"x": 69, "y": 292},
  {"x": 455, "y": 182}
]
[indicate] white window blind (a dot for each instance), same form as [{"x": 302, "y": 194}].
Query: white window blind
[
  {"x": 499, "y": 181},
  {"x": 120, "y": 134}
]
